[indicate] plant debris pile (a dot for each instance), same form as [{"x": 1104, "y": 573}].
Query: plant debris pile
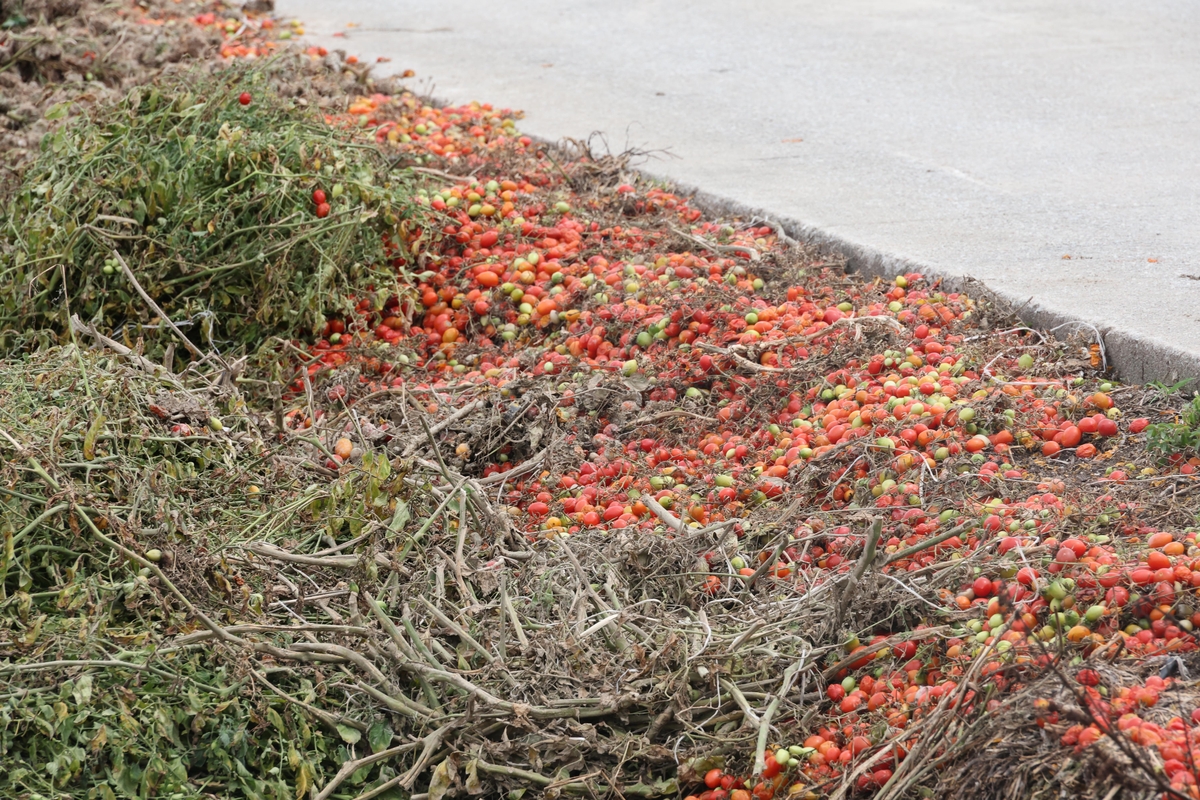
[
  {"x": 505, "y": 471},
  {"x": 210, "y": 600},
  {"x": 85, "y": 53},
  {"x": 209, "y": 203}
]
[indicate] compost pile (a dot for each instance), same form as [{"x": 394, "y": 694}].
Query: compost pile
[{"x": 356, "y": 446}]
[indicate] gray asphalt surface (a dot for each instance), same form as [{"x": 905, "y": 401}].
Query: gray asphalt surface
[{"x": 1050, "y": 150}]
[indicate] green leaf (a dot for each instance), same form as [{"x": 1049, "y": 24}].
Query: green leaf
[
  {"x": 400, "y": 518},
  {"x": 379, "y": 736},
  {"x": 89, "y": 439},
  {"x": 276, "y": 720},
  {"x": 83, "y": 690},
  {"x": 349, "y": 735}
]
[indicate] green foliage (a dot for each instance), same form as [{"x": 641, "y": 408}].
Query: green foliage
[
  {"x": 97, "y": 702},
  {"x": 1175, "y": 388},
  {"x": 210, "y": 203},
  {"x": 120, "y": 734},
  {"x": 1176, "y": 437}
]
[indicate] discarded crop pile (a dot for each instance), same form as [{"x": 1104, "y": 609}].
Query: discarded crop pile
[{"x": 576, "y": 491}]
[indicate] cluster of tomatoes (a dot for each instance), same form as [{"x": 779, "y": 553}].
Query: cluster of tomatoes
[
  {"x": 245, "y": 33},
  {"x": 1123, "y": 714},
  {"x": 406, "y": 123},
  {"x": 739, "y": 386},
  {"x": 248, "y": 34}
]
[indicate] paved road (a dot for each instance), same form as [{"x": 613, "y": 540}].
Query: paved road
[{"x": 969, "y": 137}]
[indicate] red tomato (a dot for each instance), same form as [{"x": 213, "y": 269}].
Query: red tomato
[
  {"x": 319, "y": 196},
  {"x": 1158, "y": 560},
  {"x": 1142, "y": 577},
  {"x": 323, "y": 210},
  {"x": 1071, "y": 436},
  {"x": 245, "y": 99}
]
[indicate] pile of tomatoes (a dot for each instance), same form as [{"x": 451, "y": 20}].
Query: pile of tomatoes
[{"x": 748, "y": 377}]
